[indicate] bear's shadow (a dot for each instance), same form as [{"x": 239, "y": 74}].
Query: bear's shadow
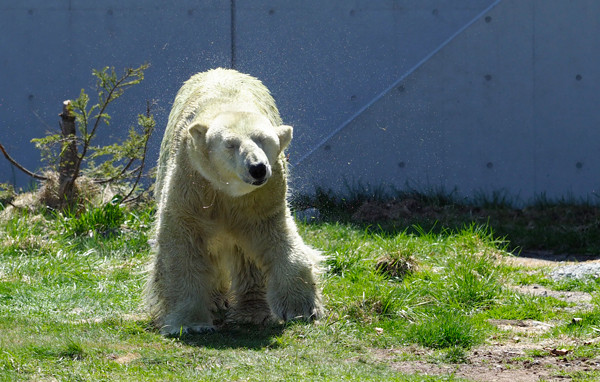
[{"x": 240, "y": 336}]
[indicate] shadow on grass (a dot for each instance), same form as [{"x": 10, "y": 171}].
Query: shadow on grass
[
  {"x": 557, "y": 227},
  {"x": 550, "y": 256},
  {"x": 237, "y": 337}
]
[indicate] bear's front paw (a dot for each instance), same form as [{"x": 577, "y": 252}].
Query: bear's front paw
[
  {"x": 292, "y": 307},
  {"x": 178, "y": 331},
  {"x": 254, "y": 317}
]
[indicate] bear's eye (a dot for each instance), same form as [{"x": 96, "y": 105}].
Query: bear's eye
[{"x": 230, "y": 145}]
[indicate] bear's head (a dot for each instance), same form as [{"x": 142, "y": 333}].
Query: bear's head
[{"x": 236, "y": 150}]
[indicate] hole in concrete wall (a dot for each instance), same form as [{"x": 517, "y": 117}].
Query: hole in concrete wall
[
  {"x": 352, "y": 12},
  {"x": 488, "y": 19},
  {"x": 401, "y": 164},
  {"x": 579, "y": 165},
  {"x": 190, "y": 12},
  {"x": 488, "y": 77},
  {"x": 578, "y": 77},
  {"x": 401, "y": 88},
  {"x": 435, "y": 12},
  {"x": 489, "y": 165},
  {"x": 109, "y": 12},
  {"x": 327, "y": 147},
  {"x": 30, "y": 97},
  {"x": 30, "y": 11},
  {"x": 352, "y": 98},
  {"x": 271, "y": 11}
]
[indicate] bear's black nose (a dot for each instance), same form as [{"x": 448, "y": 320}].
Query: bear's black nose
[{"x": 258, "y": 171}]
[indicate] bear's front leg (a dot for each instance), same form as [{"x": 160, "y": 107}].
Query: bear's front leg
[
  {"x": 292, "y": 290},
  {"x": 291, "y": 270},
  {"x": 248, "y": 286},
  {"x": 185, "y": 286}
]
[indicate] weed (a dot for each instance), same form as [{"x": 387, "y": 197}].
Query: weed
[
  {"x": 588, "y": 323},
  {"x": 73, "y": 350},
  {"x": 446, "y": 330},
  {"x": 105, "y": 220},
  {"x": 517, "y": 306},
  {"x": 496, "y": 200},
  {"x": 396, "y": 265},
  {"x": 456, "y": 354}
]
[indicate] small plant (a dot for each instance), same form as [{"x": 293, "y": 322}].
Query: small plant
[
  {"x": 74, "y": 152},
  {"x": 469, "y": 286},
  {"x": 454, "y": 355},
  {"x": 446, "y": 330},
  {"x": 73, "y": 350},
  {"x": 105, "y": 220},
  {"x": 396, "y": 265}
]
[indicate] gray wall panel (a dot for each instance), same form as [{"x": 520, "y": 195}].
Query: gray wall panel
[
  {"x": 500, "y": 108},
  {"x": 567, "y": 98}
]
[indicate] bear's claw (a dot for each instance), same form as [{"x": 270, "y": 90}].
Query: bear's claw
[{"x": 187, "y": 330}]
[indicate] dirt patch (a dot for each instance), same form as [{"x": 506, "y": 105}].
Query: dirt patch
[
  {"x": 582, "y": 300},
  {"x": 124, "y": 359},
  {"x": 508, "y": 361},
  {"x": 527, "y": 327}
]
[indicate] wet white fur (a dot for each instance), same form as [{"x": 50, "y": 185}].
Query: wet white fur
[{"x": 223, "y": 246}]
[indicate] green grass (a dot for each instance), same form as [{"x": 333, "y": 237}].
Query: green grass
[{"x": 71, "y": 308}]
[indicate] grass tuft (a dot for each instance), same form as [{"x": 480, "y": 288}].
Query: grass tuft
[
  {"x": 455, "y": 355},
  {"x": 446, "y": 330},
  {"x": 585, "y": 325},
  {"x": 396, "y": 265},
  {"x": 73, "y": 350},
  {"x": 105, "y": 220}
]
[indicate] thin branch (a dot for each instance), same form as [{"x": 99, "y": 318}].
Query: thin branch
[
  {"x": 15, "y": 206},
  {"x": 107, "y": 101},
  {"x": 19, "y": 166},
  {"x": 137, "y": 180},
  {"x": 131, "y": 200},
  {"x": 120, "y": 175}
]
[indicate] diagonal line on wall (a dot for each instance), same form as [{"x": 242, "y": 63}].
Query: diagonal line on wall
[
  {"x": 395, "y": 83},
  {"x": 233, "y": 34}
]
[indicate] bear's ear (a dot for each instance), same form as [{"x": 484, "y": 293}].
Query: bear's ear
[
  {"x": 285, "y": 133},
  {"x": 198, "y": 132}
]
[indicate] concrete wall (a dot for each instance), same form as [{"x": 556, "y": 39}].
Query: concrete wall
[
  {"x": 472, "y": 95},
  {"x": 509, "y": 104}
]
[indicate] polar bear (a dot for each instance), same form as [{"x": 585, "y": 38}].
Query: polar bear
[{"x": 226, "y": 246}]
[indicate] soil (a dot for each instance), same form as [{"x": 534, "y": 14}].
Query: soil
[{"x": 506, "y": 360}]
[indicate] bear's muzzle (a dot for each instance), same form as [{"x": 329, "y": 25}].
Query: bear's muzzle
[{"x": 259, "y": 173}]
